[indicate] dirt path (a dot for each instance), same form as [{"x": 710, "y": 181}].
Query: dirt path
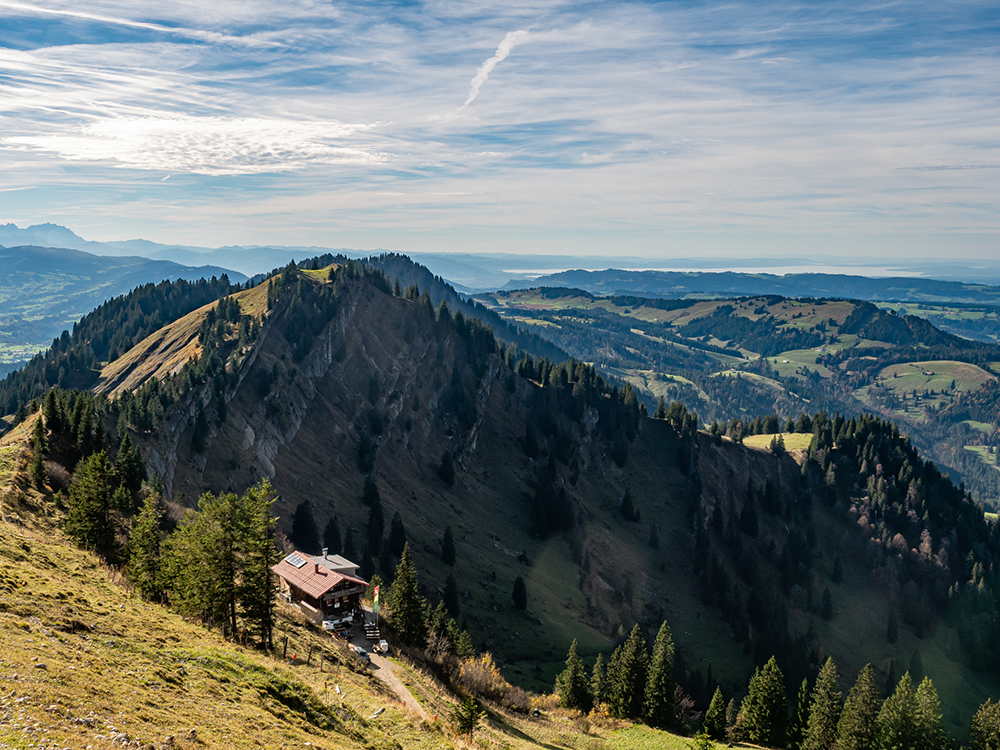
[{"x": 383, "y": 669}]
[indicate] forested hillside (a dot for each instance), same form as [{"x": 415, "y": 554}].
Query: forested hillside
[{"x": 761, "y": 355}]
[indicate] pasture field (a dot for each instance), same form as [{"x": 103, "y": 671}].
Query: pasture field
[
  {"x": 984, "y": 455},
  {"x": 794, "y": 441},
  {"x": 937, "y": 375},
  {"x": 790, "y": 362}
]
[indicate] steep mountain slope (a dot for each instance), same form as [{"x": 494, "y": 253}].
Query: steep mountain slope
[{"x": 348, "y": 396}]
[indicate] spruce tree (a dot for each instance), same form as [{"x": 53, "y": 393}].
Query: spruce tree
[
  {"x": 896, "y": 719},
  {"x": 258, "y": 553},
  {"x": 350, "y": 551},
  {"x": 984, "y": 734},
  {"x": 448, "y": 547},
  {"x": 450, "y": 597},
  {"x": 824, "y": 712},
  {"x": 799, "y": 724},
  {"x": 406, "y": 605},
  {"x": 397, "y": 535},
  {"x": 143, "y": 550},
  {"x": 520, "y": 594},
  {"x": 376, "y": 525},
  {"x": 765, "y": 711},
  {"x": 658, "y": 710},
  {"x": 88, "y": 519},
  {"x": 715, "y": 716},
  {"x": 858, "y": 727},
  {"x": 928, "y": 721},
  {"x": 598, "y": 681},
  {"x": 305, "y": 535},
  {"x": 447, "y": 468},
  {"x": 331, "y": 536},
  {"x": 129, "y": 469},
  {"x": 572, "y": 685},
  {"x": 39, "y": 447},
  {"x": 627, "y": 677}
]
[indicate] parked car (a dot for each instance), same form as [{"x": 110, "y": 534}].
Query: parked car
[
  {"x": 362, "y": 654},
  {"x": 383, "y": 647}
]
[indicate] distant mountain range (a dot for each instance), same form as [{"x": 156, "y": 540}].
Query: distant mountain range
[
  {"x": 677, "y": 284},
  {"x": 474, "y": 272},
  {"x": 45, "y": 290}
]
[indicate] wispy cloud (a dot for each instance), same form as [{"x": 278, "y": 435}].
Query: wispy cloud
[
  {"x": 205, "y": 145},
  {"x": 510, "y": 41}
]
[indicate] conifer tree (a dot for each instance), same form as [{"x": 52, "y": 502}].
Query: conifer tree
[
  {"x": 350, "y": 549},
  {"x": 715, "y": 716},
  {"x": 598, "y": 681},
  {"x": 572, "y": 685},
  {"x": 765, "y": 712},
  {"x": 305, "y": 535},
  {"x": 406, "y": 605},
  {"x": 258, "y": 553},
  {"x": 448, "y": 547},
  {"x": 397, "y": 535},
  {"x": 88, "y": 519},
  {"x": 896, "y": 719},
  {"x": 824, "y": 712},
  {"x": 129, "y": 470},
  {"x": 799, "y": 724},
  {"x": 658, "y": 710},
  {"x": 520, "y": 594},
  {"x": 447, "y": 468},
  {"x": 331, "y": 536},
  {"x": 376, "y": 525},
  {"x": 143, "y": 550},
  {"x": 984, "y": 734},
  {"x": 858, "y": 727},
  {"x": 39, "y": 447},
  {"x": 929, "y": 727},
  {"x": 627, "y": 677}
]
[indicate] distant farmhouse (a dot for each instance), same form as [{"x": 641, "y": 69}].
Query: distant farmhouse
[{"x": 324, "y": 587}]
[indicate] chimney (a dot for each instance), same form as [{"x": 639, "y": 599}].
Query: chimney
[
  {"x": 326, "y": 555},
  {"x": 316, "y": 568}
]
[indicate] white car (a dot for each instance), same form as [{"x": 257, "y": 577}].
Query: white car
[{"x": 383, "y": 647}]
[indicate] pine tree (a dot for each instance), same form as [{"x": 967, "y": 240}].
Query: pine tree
[
  {"x": 258, "y": 553},
  {"x": 520, "y": 594},
  {"x": 397, "y": 535},
  {"x": 143, "y": 550},
  {"x": 572, "y": 685},
  {"x": 896, "y": 719},
  {"x": 305, "y": 535},
  {"x": 406, "y": 605},
  {"x": 598, "y": 681},
  {"x": 984, "y": 734},
  {"x": 376, "y": 525},
  {"x": 467, "y": 714},
  {"x": 39, "y": 447},
  {"x": 350, "y": 549},
  {"x": 929, "y": 727},
  {"x": 715, "y": 716},
  {"x": 824, "y": 713},
  {"x": 331, "y": 536},
  {"x": 448, "y": 547},
  {"x": 800, "y": 721},
  {"x": 129, "y": 470},
  {"x": 627, "y": 677},
  {"x": 658, "y": 710},
  {"x": 88, "y": 519},
  {"x": 858, "y": 727},
  {"x": 764, "y": 710}
]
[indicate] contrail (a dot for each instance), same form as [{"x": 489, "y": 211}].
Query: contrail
[{"x": 510, "y": 41}]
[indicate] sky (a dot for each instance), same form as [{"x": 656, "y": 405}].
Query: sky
[{"x": 662, "y": 129}]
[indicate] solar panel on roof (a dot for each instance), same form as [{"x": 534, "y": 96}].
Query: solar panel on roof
[{"x": 296, "y": 560}]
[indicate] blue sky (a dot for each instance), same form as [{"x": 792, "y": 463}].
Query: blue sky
[{"x": 653, "y": 129}]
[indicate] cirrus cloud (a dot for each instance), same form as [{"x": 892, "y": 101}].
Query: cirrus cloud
[{"x": 205, "y": 145}]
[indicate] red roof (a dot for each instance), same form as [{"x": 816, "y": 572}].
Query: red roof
[{"x": 313, "y": 579}]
